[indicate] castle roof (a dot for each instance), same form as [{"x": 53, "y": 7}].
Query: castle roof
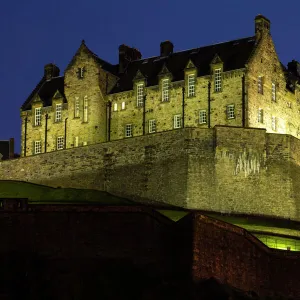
[{"x": 234, "y": 55}]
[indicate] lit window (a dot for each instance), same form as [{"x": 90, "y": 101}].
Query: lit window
[
  {"x": 58, "y": 112},
  {"x": 191, "y": 85},
  {"x": 37, "y": 116},
  {"x": 260, "y": 85},
  {"x": 165, "y": 90},
  {"x": 60, "y": 143},
  {"x": 218, "y": 80},
  {"x": 76, "y": 114},
  {"x": 37, "y": 147},
  {"x": 116, "y": 107},
  {"x": 85, "y": 109},
  {"x": 128, "y": 130},
  {"x": 76, "y": 141},
  {"x": 140, "y": 95},
  {"x": 274, "y": 123},
  {"x": 230, "y": 112},
  {"x": 177, "y": 121},
  {"x": 152, "y": 126},
  {"x": 273, "y": 91},
  {"x": 202, "y": 117},
  {"x": 123, "y": 105},
  {"x": 260, "y": 116}
]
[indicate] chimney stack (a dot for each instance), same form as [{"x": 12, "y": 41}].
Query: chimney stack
[
  {"x": 166, "y": 48},
  {"x": 50, "y": 71},
  {"x": 262, "y": 26},
  {"x": 127, "y": 55}
]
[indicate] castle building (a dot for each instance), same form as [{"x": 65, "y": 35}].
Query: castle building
[{"x": 238, "y": 83}]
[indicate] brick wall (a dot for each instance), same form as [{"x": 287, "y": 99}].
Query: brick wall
[{"x": 237, "y": 258}]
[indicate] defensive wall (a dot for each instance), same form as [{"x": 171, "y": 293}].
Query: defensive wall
[{"x": 223, "y": 169}]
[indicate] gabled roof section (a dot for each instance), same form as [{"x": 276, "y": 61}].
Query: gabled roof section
[
  {"x": 45, "y": 90},
  {"x": 113, "y": 69},
  {"x": 216, "y": 59},
  {"x": 234, "y": 55}
]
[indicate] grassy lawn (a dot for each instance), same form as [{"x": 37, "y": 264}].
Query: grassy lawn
[{"x": 40, "y": 194}]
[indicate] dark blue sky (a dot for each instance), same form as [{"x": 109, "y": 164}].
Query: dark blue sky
[{"x": 37, "y": 32}]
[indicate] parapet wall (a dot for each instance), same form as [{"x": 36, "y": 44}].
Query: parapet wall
[{"x": 224, "y": 169}]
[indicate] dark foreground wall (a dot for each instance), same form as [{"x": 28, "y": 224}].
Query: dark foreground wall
[
  {"x": 73, "y": 252},
  {"x": 236, "y": 257}
]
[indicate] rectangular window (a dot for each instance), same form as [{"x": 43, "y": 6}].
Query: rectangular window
[
  {"x": 123, "y": 106},
  {"x": 152, "y": 126},
  {"x": 202, "y": 117},
  {"x": 37, "y": 147},
  {"x": 37, "y": 116},
  {"x": 273, "y": 92},
  {"x": 58, "y": 112},
  {"x": 230, "y": 112},
  {"x": 76, "y": 141},
  {"x": 177, "y": 121},
  {"x": 115, "y": 106},
  {"x": 191, "y": 85},
  {"x": 85, "y": 109},
  {"x": 60, "y": 143},
  {"x": 165, "y": 90},
  {"x": 260, "y": 85},
  {"x": 76, "y": 109},
  {"x": 218, "y": 80},
  {"x": 140, "y": 95},
  {"x": 274, "y": 125},
  {"x": 128, "y": 130},
  {"x": 260, "y": 116}
]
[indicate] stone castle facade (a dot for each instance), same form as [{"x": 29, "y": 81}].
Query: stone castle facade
[{"x": 238, "y": 83}]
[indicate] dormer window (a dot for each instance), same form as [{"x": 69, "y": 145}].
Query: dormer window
[
  {"x": 191, "y": 85},
  {"x": 218, "y": 80},
  {"x": 165, "y": 90},
  {"x": 37, "y": 116},
  {"x": 140, "y": 95},
  {"x": 58, "y": 112}
]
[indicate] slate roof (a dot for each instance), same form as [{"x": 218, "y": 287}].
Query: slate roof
[
  {"x": 46, "y": 90},
  {"x": 234, "y": 54}
]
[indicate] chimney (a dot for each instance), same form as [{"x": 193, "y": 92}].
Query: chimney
[
  {"x": 127, "y": 55},
  {"x": 262, "y": 26},
  {"x": 166, "y": 48},
  {"x": 294, "y": 67},
  {"x": 50, "y": 71},
  {"x": 11, "y": 148}
]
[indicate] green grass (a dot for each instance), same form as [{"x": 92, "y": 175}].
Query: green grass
[{"x": 40, "y": 194}]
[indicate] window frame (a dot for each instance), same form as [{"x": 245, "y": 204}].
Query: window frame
[
  {"x": 274, "y": 123},
  {"x": 177, "y": 121},
  {"x": 123, "y": 105},
  {"x": 218, "y": 80},
  {"x": 260, "y": 85},
  {"x": 165, "y": 85},
  {"x": 37, "y": 145},
  {"x": 140, "y": 95},
  {"x": 274, "y": 92},
  {"x": 77, "y": 108},
  {"x": 60, "y": 141},
  {"x": 191, "y": 85},
  {"x": 202, "y": 116},
  {"x": 38, "y": 116},
  {"x": 58, "y": 112},
  {"x": 85, "y": 109},
  {"x": 152, "y": 126},
  {"x": 230, "y": 111},
  {"x": 115, "y": 107},
  {"x": 128, "y": 129},
  {"x": 260, "y": 116}
]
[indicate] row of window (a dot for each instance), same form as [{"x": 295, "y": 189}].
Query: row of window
[
  {"x": 60, "y": 144},
  {"x": 165, "y": 84},
  {"x": 260, "y": 88}
]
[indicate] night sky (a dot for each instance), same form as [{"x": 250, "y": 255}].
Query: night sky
[{"x": 34, "y": 33}]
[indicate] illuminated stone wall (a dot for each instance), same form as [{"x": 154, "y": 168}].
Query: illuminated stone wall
[{"x": 225, "y": 169}]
